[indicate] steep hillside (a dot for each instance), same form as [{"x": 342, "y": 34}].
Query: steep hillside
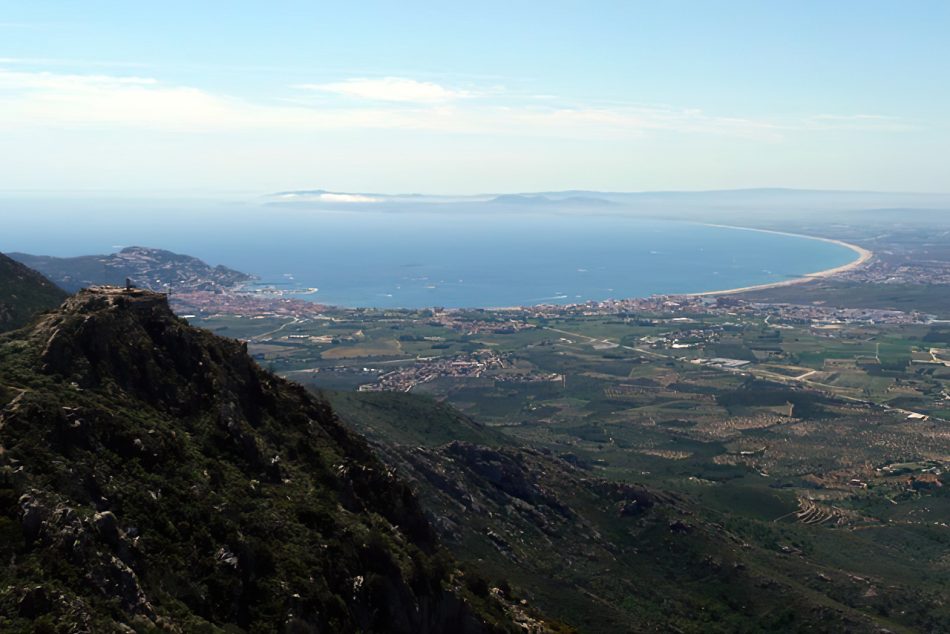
[
  {"x": 152, "y": 476},
  {"x": 155, "y": 269},
  {"x": 23, "y": 293},
  {"x": 607, "y": 556}
]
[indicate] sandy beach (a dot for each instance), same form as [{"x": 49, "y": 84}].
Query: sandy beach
[{"x": 863, "y": 256}]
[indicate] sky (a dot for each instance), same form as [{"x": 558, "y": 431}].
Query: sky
[{"x": 473, "y": 97}]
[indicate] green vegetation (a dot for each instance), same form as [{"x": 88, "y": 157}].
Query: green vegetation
[
  {"x": 608, "y": 556},
  {"x": 148, "y": 268},
  {"x": 731, "y": 470},
  {"x": 23, "y": 294},
  {"x": 927, "y": 298},
  {"x": 779, "y": 466},
  {"x": 151, "y": 475}
]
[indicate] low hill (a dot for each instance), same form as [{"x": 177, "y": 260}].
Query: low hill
[
  {"x": 153, "y": 477},
  {"x": 154, "y": 269},
  {"x": 23, "y": 293}
]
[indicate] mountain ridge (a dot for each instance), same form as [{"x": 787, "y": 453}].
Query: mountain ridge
[
  {"x": 152, "y": 476},
  {"x": 146, "y": 267},
  {"x": 23, "y": 293},
  {"x": 605, "y": 555}
]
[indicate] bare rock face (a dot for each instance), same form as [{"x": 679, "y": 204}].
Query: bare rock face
[
  {"x": 507, "y": 473},
  {"x": 152, "y": 476},
  {"x": 131, "y": 340}
]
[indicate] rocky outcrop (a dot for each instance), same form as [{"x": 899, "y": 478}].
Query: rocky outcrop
[
  {"x": 517, "y": 500},
  {"x": 153, "y": 477},
  {"x": 602, "y": 555}
]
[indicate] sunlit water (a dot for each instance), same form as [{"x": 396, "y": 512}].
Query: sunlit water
[{"x": 439, "y": 258}]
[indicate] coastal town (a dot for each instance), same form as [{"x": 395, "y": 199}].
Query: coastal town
[
  {"x": 771, "y": 332},
  {"x": 426, "y": 349},
  {"x": 404, "y": 379},
  {"x": 263, "y": 302}
]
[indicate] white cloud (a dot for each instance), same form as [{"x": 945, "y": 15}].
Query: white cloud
[
  {"x": 59, "y": 81},
  {"x": 877, "y": 122},
  {"x": 331, "y": 197},
  {"x": 395, "y": 89},
  {"x": 68, "y": 62},
  {"x": 59, "y": 100}
]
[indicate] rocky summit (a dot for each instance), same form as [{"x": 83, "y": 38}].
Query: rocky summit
[{"x": 154, "y": 478}]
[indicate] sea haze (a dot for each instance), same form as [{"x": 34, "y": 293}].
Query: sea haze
[{"x": 447, "y": 257}]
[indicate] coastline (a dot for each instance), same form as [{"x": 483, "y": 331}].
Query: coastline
[{"x": 864, "y": 255}]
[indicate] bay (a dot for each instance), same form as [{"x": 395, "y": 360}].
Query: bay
[{"x": 447, "y": 257}]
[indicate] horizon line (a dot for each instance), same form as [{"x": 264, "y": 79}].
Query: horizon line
[{"x": 535, "y": 192}]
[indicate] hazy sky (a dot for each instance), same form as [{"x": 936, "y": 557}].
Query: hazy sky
[{"x": 469, "y": 97}]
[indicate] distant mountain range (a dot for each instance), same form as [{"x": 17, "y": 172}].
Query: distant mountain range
[
  {"x": 546, "y": 201},
  {"x": 686, "y": 204},
  {"x": 154, "y": 269}
]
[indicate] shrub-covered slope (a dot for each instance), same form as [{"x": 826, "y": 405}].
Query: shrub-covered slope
[
  {"x": 23, "y": 293},
  {"x": 152, "y": 476},
  {"x": 607, "y": 556},
  {"x": 146, "y": 267}
]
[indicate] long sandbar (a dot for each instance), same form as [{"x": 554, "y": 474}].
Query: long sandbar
[{"x": 863, "y": 256}]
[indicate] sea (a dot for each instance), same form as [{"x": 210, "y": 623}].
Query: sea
[{"x": 435, "y": 257}]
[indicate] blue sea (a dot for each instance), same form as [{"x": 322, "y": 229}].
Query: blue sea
[{"x": 441, "y": 257}]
